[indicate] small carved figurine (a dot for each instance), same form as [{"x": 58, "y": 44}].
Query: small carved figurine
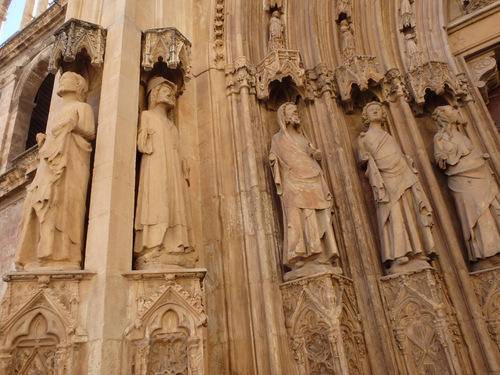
[
  {"x": 309, "y": 244},
  {"x": 347, "y": 46},
  {"x": 53, "y": 220},
  {"x": 403, "y": 212},
  {"x": 163, "y": 234},
  {"x": 276, "y": 32},
  {"x": 471, "y": 182}
]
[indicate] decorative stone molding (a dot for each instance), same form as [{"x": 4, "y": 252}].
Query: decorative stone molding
[
  {"x": 435, "y": 76},
  {"x": 74, "y": 36},
  {"x": 358, "y": 70},
  {"x": 323, "y": 323},
  {"x": 167, "y": 45},
  {"x": 424, "y": 323},
  {"x": 219, "y": 34},
  {"x": 39, "y": 322},
  {"x": 276, "y": 66},
  {"x": 19, "y": 172},
  {"x": 487, "y": 289},
  {"x": 394, "y": 86},
  {"x": 485, "y": 74},
  {"x": 240, "y": 74},
  {"x": 319, "y": 81},
  {"x": 166, "y": 315}
]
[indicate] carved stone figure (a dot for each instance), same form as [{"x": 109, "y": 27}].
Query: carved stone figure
[
  {"x": 163, "y": 234},
  {"x": 309, "y": 243},
  {"x": 52, "y": 224},
  {"x": 403, "y": 212},
  {"x": 276, "y": 32},
  {"x": 471, "y": 182},
  {"x": 347, "y": 46},
  {"x": 414, "y": 57}
]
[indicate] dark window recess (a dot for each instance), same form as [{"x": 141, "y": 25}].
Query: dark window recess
[{"x": 40, "y": 114}]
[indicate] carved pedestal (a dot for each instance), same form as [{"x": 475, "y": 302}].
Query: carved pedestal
[
  {"x": 424, "y": 323},
  {"x": 487, "y": 288},
  {"x": 166, "y": 313},
  {"x": 324, "y": 326},
  {"x": 40, "y": 331}
]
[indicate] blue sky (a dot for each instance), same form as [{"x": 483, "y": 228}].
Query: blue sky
[{"x": 13, "y": 19}]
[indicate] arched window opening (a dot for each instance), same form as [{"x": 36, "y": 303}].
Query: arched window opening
[{"x": 40, "y": 114}]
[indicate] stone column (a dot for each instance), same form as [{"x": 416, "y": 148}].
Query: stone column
[
  {"x": 28, "y": 13},
  {"x": 110, "y": 227}
]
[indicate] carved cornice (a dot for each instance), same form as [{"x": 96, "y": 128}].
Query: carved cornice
[
  {"x": 435, "y": 76},
  {"x": 19, "y": 172},
  {"x": 394, "y": 86},
  {"x": 276, "y": 66},
  {"x": 319, "y": 81},
  {"x": 240, "y": 74},
  {"x": 74, "y": 36},
  {"x": 169, "y": 45},
  {"x": 470, "y": 6},
  {"x": 33, "y": 32},
  {"x": 358, "y": 70}
]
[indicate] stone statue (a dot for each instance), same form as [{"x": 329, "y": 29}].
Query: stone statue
[
  {"x": 403, "y": 212},
  {"x": 163, "y": 234},
  {"x": 276, "y": 32},
  {"x": 471, "y": 182},
  {"x": 347, "y": 45},
  {"x": 414, "y": 57},
  {"x": 309, "y": 244},
  {"x": 53, "y": 220}
]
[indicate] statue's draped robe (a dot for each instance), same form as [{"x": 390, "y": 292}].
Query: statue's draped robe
[
  {"x": 403, "y": 213},
  {"x": 163, "y": 214},
  {"x": 53, "y": 221},
  {"x": 305, "y": 199},
  {"x": 475, "y": 193}
]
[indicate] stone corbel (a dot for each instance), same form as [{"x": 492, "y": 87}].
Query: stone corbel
[
  {"x": 240, "y": 74},
  {"x": 358, "y": 70},
  {"x": 320, "y": 80},
  {"x": 484, "y": 73},
  {"x": 168, "y": 45},
  {"x": 434, "y": 76},
  {"x": 276, "y": 66},
  {"x": 74, "y": 36}
]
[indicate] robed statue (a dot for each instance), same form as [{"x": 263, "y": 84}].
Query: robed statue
[
  {"x": 53, "y": 221},
  {"x": 471, "y": 182},
  {"x": 404, "y": 214},
  {"x": 309, "y": 244},
  {"x": 163, "y": 235}
]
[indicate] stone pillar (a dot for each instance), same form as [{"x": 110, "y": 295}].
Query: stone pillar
[{"x": 110, "y": 230}]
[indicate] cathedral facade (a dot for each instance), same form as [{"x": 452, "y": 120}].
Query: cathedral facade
[{"x": 250, "y": 187}]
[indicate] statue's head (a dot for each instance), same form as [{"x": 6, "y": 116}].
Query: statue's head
[
  {"x": 276, "y": 14},
  {"x": 73, "y": 82},
  {"x": 161, "y": 90},
  {"x": 288, "y": 114},
  {"x": 366, "y": 117},
  {"x": 446, "y": 115}
]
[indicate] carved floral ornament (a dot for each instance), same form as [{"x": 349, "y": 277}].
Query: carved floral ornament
[{"x": 74, "y": 36}]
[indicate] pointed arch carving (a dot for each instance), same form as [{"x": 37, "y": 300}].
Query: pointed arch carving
[
  {"x": 323, "y": 323},
  {"x": 166, "y": 326}
]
